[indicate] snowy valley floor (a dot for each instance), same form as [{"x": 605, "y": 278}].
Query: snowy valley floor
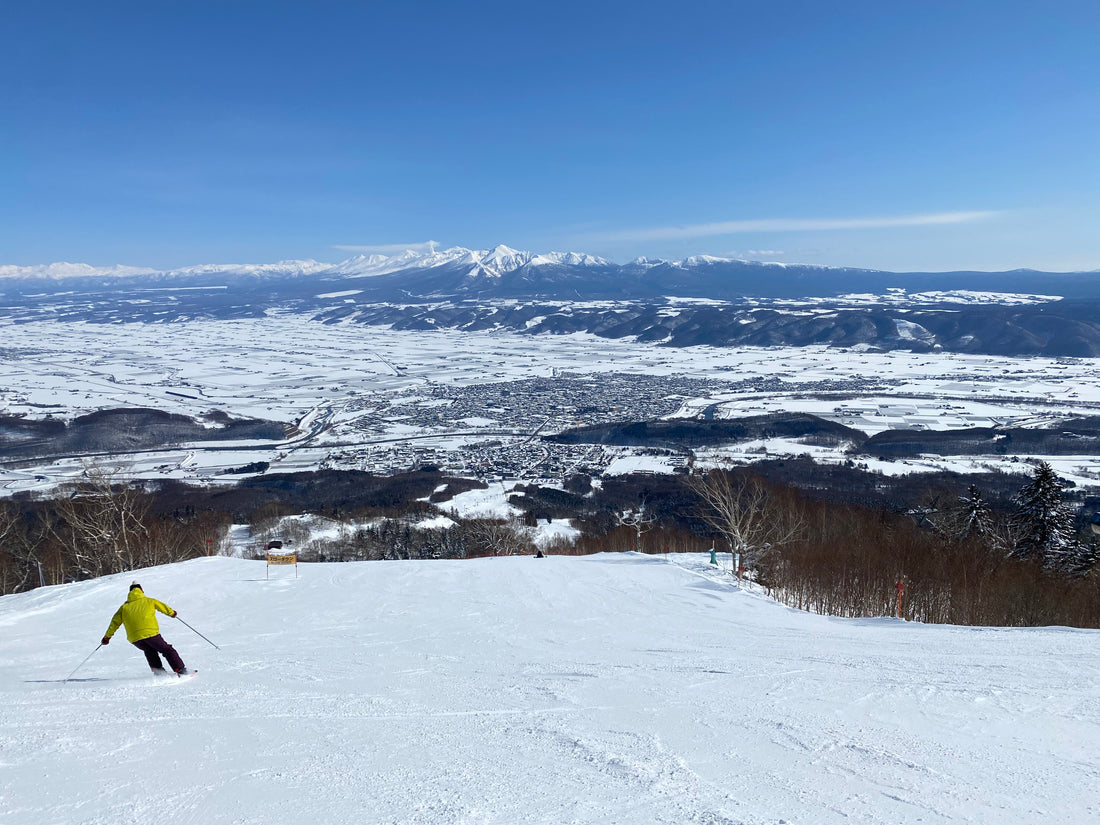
[{"x": 605, "y": 689}]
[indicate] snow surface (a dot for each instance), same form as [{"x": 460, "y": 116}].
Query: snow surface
[
  {"x": 611, "y": 688},
  {"x": 491, "y": 502}
]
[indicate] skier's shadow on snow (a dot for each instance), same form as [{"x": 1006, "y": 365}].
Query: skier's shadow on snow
[
  {"x": 61, "y": 681},
  {"x": 88, "y": 679}
]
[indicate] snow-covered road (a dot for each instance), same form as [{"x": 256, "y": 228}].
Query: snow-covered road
[{"x": 611, "y": 689}]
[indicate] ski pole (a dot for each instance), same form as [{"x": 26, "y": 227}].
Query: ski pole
[
  {"x": 198, "y": 634},
  {"x": 78, "y": 667}
]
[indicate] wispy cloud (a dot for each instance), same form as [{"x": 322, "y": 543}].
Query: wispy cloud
[
  {"x": 787, "y": 225},
  {"x": 388, "y": 248}
]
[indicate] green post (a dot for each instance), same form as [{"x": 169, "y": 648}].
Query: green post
[{"x": 713, "y": 557}]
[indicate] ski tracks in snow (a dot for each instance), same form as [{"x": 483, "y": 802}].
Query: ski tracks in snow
[{"x": 610, "y": 689}]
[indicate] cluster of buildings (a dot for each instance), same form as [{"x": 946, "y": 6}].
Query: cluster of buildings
[{"x": 494, "y": 430}]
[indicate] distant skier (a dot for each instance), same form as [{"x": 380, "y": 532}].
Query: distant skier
[{"x": 138, "y": 614}]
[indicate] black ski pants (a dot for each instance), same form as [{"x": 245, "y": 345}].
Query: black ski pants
[{"x": 153, "y": 647}]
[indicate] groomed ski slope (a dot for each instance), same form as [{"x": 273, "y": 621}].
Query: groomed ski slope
[{"x": 609, "y": 689}]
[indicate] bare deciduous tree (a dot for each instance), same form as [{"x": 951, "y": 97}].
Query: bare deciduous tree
[
  {"x": 638, "y": 520},
  {"x": 748, "y": 516},
  {"x": 497, "y": 537},
  {"x": 18, "y": 565},
  {"x": 178, "y": 538},
  {"x": 100, "y": 521}
]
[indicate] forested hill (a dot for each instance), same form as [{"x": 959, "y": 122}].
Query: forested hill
[{"x": 1079, "y": 436}]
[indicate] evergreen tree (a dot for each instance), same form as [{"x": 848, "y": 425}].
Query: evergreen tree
[
  {"x": 1044, "y": 521},
  {"x": 976, "y": 519},
  {"x": 1083, "y": 558}
]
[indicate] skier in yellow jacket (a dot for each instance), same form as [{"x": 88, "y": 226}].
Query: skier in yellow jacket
[{"x": 138, "y": 615}]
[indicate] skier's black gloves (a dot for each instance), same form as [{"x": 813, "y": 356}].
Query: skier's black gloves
[{"x": 106, "y": 640}]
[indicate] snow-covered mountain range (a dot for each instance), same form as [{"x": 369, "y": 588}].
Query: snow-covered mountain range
[
  {"x": 506, "y": 272},
  {"x": 699, "y": 300},
  {"x": 497, "y": 264},
  {"x": 492, "y": 263}
]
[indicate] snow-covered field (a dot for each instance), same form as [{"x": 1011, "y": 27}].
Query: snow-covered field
[
  {"x": 612, "y": 688},
  {"x": 330, "y": 378},
  {"x": 284, "y": 366}
]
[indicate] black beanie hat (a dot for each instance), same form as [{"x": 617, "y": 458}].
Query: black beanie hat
[{"x": 136, "y": 586}]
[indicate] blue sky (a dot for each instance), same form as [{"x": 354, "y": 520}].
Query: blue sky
[{"x": 893, "y": 135}]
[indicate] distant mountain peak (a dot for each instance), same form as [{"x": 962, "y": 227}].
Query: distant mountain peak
[
  {"x": 569, "y": 259},
  {"x": 702, "y": 260},
  {"x": 471, "y": 263},
  {"x": 501, "y": 260},
  {"x": 504, "y": 251}
]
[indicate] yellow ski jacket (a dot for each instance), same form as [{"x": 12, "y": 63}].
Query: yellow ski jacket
[{"x": 138, "y": 614}]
